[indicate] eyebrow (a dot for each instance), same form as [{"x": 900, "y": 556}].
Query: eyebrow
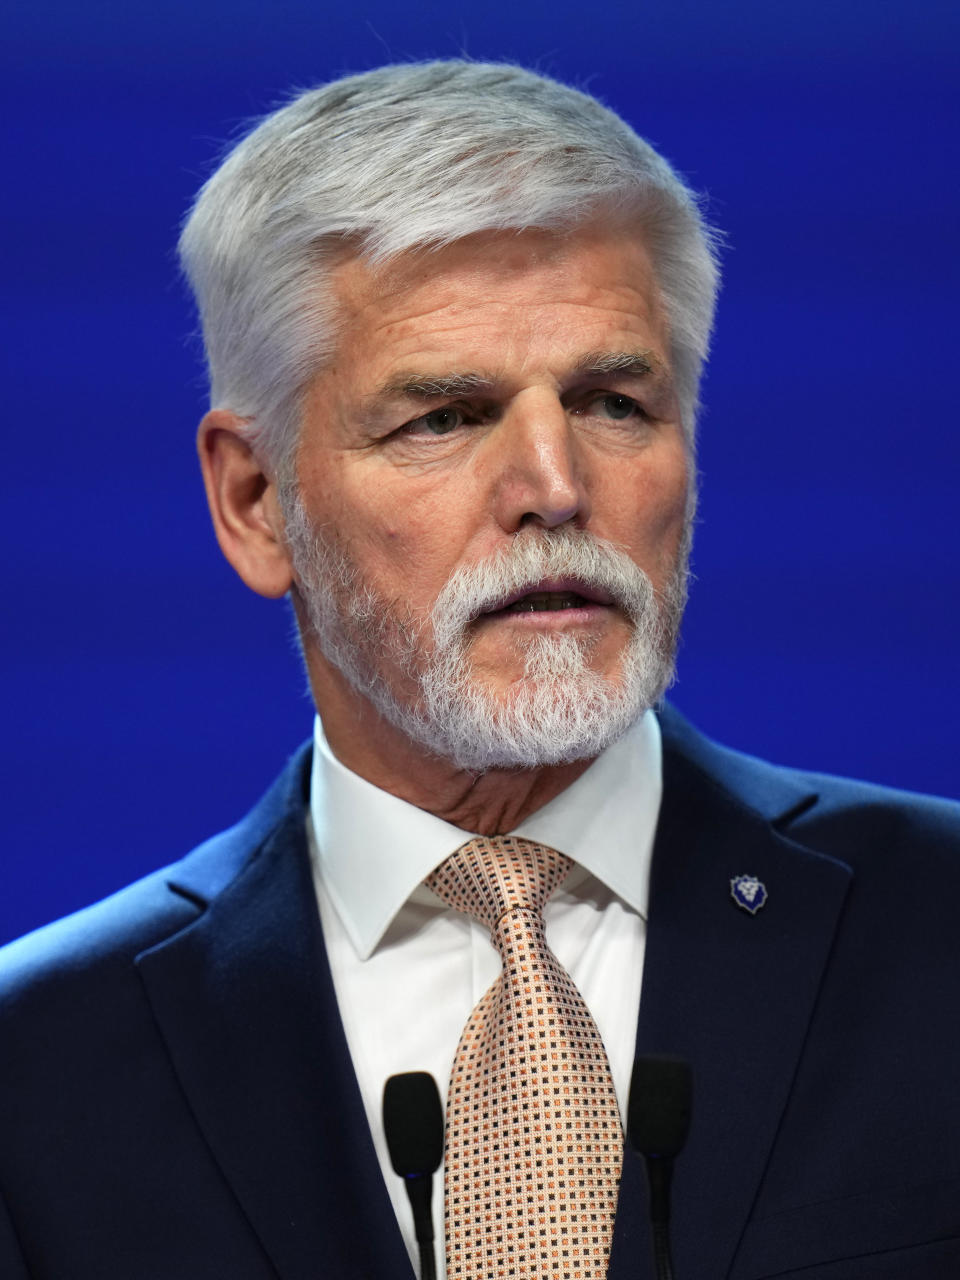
[
  {"x": 636, "y": 364},
  {"x": 419, "y": 386},
  {"x": 423, "y": 386}
]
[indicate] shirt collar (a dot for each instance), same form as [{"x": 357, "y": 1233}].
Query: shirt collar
[{"x": 373, "y": 849}]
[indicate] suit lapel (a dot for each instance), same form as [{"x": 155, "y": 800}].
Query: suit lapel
[
  {"x": 245, "y": 1004},
  {"x": 730, "y": 991}
]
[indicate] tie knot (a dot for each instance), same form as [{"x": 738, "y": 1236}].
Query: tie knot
[{"x": 491, "y": 875}]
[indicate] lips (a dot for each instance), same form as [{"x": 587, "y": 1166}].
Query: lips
[{"x": 553, "y": 596}]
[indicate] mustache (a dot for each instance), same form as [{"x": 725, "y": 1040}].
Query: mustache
[{"x": 574, "y": 556}]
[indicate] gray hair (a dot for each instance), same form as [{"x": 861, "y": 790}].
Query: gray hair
[{"x": 411, "y": 156}]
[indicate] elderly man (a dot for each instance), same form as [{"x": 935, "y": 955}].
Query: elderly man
[{"x": 455, "y": 316}]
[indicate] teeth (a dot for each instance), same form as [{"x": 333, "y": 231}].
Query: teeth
[{"x": 546, "y": 601}]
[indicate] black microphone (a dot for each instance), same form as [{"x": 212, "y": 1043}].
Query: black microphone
[
  {"x": 658, "y": 1120},
  {"x": 413, "y": 1122}
]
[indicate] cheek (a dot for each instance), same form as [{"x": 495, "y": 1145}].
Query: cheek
[
  {"x": 672, "y": 501},
  {"x": 355, "y": 508},
  {"x": 423, "y": 529},
  {"x": 410, "y": 553},
  {"x": 657, "y": 502},
  {"x": 652, "y": 490}
]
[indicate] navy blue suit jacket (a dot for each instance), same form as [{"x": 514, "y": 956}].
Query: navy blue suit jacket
[{"x": 177, "y": 1100}]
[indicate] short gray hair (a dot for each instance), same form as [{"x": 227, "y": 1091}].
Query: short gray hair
[{"x": 408, "y": 156}]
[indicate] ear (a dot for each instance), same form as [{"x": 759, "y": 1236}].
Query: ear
[{"x": 242, "y": 497}]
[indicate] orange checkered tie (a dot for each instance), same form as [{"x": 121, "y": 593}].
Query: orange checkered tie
[{"x": 534, "y": 1141}]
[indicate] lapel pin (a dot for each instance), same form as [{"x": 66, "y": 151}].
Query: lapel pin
[{"x": 748, "y": 892}]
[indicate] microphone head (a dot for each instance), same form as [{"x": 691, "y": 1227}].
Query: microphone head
[
  {"x": 658, "y": 1114},
  {"x": 413, "y": 1121}
]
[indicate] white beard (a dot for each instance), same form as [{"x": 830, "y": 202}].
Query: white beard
[{"x": 559, "y": 711}]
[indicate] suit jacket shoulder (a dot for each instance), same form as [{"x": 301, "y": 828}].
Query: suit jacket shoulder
[
  {"x": 820, "y": 1026},
  {"x": 108, "y": 1017},
  {"x": 841, "y": 817},
  {"x": 108, "y": 936}
]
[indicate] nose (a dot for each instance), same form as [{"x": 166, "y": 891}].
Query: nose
[{"x": 541, "y": 476}]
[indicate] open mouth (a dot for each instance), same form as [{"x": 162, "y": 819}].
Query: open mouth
[
  {"x": 546, "y": 602},
  {"x": 552, "y": 597}
]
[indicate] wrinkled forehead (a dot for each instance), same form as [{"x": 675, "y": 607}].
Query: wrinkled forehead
[{"x": 504, "y": 289}]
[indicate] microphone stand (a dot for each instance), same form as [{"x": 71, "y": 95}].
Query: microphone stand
[
  {"x": 658, "y": 1121},
  {"x": 659, "y": 1174},
  {"x": 413, "y": 1123},
  {"x": 420, "y": 1192}
]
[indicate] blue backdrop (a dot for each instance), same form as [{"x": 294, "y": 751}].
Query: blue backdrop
[{"x": 149, "y": 697}]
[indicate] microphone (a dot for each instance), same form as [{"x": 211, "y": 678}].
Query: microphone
[
  {"x": 658, "y": 1120},
  {"x": 413, "y": 1122}
]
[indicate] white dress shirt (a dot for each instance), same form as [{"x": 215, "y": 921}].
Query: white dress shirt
[{"x": 408, "y": 970}]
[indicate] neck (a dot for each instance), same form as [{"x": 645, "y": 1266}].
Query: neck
[{"x": 490, "y": 803}]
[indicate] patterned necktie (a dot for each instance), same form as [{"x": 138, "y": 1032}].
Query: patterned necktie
[{"x": 534, "y": 1141}]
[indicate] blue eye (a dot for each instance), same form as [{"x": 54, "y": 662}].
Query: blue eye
[
  {"x": 617, "y": 407},
  {"x": 438, "y": 422}
]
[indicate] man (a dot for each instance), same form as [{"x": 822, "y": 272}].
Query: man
[{"x": 455, "y": 316}]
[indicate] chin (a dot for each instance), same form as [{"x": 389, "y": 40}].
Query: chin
[{"x": 536, "y": 723}]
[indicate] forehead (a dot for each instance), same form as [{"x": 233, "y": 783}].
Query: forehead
[{"x": 504, "y": 297}]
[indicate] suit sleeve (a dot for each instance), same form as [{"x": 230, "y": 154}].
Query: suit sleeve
[{"x": 12, "y": 1265}]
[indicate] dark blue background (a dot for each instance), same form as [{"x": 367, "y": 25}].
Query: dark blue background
[{"x": 149, "y": 697}]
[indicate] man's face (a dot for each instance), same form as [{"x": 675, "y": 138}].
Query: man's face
[{"x": 499, "y": 421}]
